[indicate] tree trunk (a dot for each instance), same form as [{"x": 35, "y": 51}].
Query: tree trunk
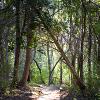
[
  {"x": 89, "y": 57},
  {"x": 65, "y": 58},
  {"x": 17, "y": 49},
  {"x": 28, "y": 60},
  {"x": 89, "y": 50},
  {"x": 6, "y": 45},
  {"x": 49, "y": 64},
  {"x": 98, "y": 59},
  {"x": 1, "y": 51},
  {"x": 61, "y": 72},
  {"x": 29, "y": 76},
  {"x": 82, "y": 42},
  {"x": 73, "y": 64},
  {"x": 39, "y": 68}
]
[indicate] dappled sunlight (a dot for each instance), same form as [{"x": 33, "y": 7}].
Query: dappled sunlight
[{"x": 49, "y": 49}]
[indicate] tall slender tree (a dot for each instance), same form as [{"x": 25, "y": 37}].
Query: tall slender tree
[{"x": 17, "y": 49}]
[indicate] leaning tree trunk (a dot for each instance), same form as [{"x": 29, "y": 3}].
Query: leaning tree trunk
[
  {"x": 17, "y": 49},
  {"x": 65, "y": 58},
  {"x": 28, "y": 61},
  {"x": 39, "y": 68}
]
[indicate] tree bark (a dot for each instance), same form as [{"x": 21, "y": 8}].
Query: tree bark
[
  {"x": 17, "y": 49},
  {"x": 1, "y": 51},
  {"x": 98, "y": 59},
  {"x": 89, "y": 49},
  {"x": 61, "y": 72},
  {"x": 28, "y": 61},
  {"x": 80, "y": 62},
  {"x": 49, "y": 64},
  {"x": 89, "y": 57},
  {"x": 61, "y": 69}
]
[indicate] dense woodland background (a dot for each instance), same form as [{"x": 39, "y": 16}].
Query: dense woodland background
[{"x": 50, "y": 42}]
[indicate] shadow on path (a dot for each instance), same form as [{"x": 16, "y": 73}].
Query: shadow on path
[{"x": 42, "y": 93}]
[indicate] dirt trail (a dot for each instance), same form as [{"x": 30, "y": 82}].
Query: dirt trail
[
  {"x": 42, "y": 93},
  {"x": 50, "y": 93},
  {"x": 37, "y": 93}
]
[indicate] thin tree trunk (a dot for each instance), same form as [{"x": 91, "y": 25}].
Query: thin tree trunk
[
  {"x": 17, "y": 49},
  {"x": 82, "y": 43},
  {"x": 1, "y": 47},
  {"x": 73, "y": 63},
  {"x": 89, "y": 57},
  {"x": 1, "y": 51},
  {"x": 98, "y": 58},
  {"x": 39, "y": 71},
  {"x": 6, "y": 46},
  {"x": 49, "y": 64},
  {"x": 61, "y": 72},
  {"x": 54, "y": 66},
  {"x": 89, "y": 50}
]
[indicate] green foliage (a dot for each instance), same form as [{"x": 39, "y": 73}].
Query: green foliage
[
  {"x": 65, "y": 75},
  {"x": 97, "y": 27},
  {"x": 40, "y": 3},
  {"x": 36, "y": 78},
  {"x": 35, "y": 74},
  {"x": 57, "y": 26},
  {"x": 5, "y": 77},
  {"x": 45, "y": 74}
]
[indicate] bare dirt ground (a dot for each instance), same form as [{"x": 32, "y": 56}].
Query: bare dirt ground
[{"x": 40, "y": 93}]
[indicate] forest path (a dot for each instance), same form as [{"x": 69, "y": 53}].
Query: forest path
[
  {"x": 51, "y": 93},
  {"x": 42, "y": 93},
  {"x": 37, "y": 93}
]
